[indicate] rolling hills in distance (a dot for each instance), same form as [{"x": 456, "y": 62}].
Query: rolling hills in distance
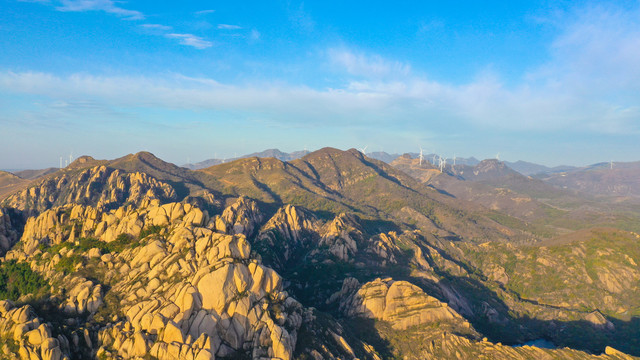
[{"x": 320, "y": 255}]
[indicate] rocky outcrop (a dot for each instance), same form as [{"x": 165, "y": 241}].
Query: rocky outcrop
[
  {"x": 242, "y": 217},
  {"x": 288, "y": 232},
  {"x": 82, "y": 296},
  {"x": 342, "y": 236},
  {"x": 70, "y": 222},
  {"x": 216, "y": 301},
  {"x": 28, "y": 335},
  {"x": 399, "y": 302},
  {"x": 100, "y": 186},
  {"x": 8, "y": 232},
  {"x": 189, "y": 292}
]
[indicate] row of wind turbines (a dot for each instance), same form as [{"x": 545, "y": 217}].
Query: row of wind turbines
[
  {"x": 441, "y": 161},
  {"x": 66, "y": 162}
]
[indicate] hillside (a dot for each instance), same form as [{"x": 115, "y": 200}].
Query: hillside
[
  {"x": 34, "y": 174},
  {"x": 605, "y": 179},
  {"x": 331, "y": 256},
  {"x": 539, "y": 207},
  {"x": 10, "y": 183},
  {"x": 528, "y": 168}
]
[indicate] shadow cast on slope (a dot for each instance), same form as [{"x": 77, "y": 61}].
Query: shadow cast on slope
[{"x": 499, "y": 323}]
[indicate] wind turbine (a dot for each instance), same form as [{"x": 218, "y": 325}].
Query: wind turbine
[
  {"x": 443, "y": 163},
  {"x": 454, "y": 159},
  {"x": 60, "y": 162},
  {"x": 364, "y": 150},
  {"x": 434, "y": 159},
  {"x": 611, "y": 164},
  {"x": 420, "y": 157},
  {"x": 498, "y": 156}
]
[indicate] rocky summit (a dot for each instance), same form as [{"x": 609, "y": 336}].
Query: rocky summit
[{"x": 333, "y": 255}]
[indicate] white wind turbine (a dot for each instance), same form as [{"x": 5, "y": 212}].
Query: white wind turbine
[
  {"x": 498, "y": 156},
  {"x": 364, "y": 150},
  {"x": 434, "y": 159},
  {"x": 443, "y": 163},
  {"x": 421, "y": 157}
]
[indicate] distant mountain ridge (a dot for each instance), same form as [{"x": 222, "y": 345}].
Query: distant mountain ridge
[
  {"x": 528, "y": 168},
  {"x": 605, "y": 179},
  {"x": 269, "y": 153}
]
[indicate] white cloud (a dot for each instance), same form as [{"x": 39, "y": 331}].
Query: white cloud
[
  {"x": 229, "y": 27},
  {"x": 191, "y": 40},
  {"x": 156, "y": 27},
  {"x": 205, "y": 12},
  {"x": 590, "y": 84},
  {"x": 367, "y": 66},
  {"x": 99, "y": 5},
  {"x": 485, "y": 102}
]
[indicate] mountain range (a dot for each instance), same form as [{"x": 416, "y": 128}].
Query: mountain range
[{"x": 324, "y": 255}]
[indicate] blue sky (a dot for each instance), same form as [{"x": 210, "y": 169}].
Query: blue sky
[{"x": 545, "y": 81}]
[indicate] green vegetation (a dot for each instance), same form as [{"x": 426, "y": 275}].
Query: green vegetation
[
  {"x": 12, "y": 345},
  {"x": 153, "y": 229},
  {"x": 85, "y": 244},
  {"x": 67, "y": 264},
  {"x": 17, "y": 279}
]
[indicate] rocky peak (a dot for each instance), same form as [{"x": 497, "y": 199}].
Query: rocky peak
[
  {"x": 83, "y": 162},
  {"x": 99, "y": 186},
  {"x": 241, "y": 217},
  {"x": 290, "y": 231},
  {"x": 342, "y": 236}
]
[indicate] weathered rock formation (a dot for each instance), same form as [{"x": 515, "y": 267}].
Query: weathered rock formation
[
  {"x": 398, "y": 302},
  {"x": 100, "y": 186}
]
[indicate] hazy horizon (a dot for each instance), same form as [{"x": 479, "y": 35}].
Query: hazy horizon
[
  {"x": 553, "y": 83},
  {"x": 192, "y": 161}
]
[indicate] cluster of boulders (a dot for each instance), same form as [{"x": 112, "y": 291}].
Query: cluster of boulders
[
  {"x": 24, "y": 336},
  {"x": 191, "y": 291}
]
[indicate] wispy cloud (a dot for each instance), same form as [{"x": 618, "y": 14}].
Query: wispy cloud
[
  {"x": 300, "y": 18},
  {"x": 590, "y": 84},
  {"x": 485, "y": 103},
  {"x": 156, "y": 26},
  {"x": 204, "y": 12},
  {"x": 191, "y": 40},
  {"x": 229, "y": 27},
  {"x": 254, "y": 35},
  {"x": 108, "y": 6},
  {"x": 367, "y": 65}
]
